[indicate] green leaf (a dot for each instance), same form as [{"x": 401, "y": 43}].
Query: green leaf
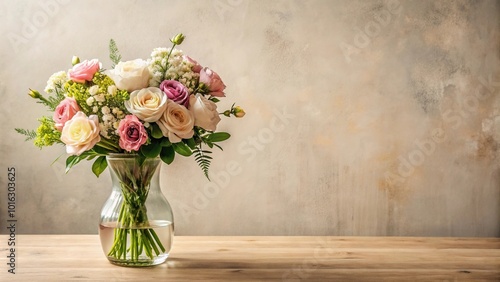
[
  {"x": 165, "y": 142},
  {"x": 56, "y": 159},
  {"x": 156, "y": 131},
  {"x": 91, "y": 157},
  {"x": 99, "y": 150},
  {"x": 217, "y": 137},
  {"x": 99, "y": 165},
  {"x": 191, "y": 143},
  {"x": 213, "y": 99},
  {"x": 71, "y": 161},
  {"x": 218, "y": 147},
  {"x": 182, "y": 149},
  {"x": 167, "y": 154},
  {"x": 151, "y": 151}
]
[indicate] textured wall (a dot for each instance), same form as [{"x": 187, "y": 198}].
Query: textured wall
[{"x": 364, "y": 117}]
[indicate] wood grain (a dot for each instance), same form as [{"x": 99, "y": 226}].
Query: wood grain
[{"x": 79, "y": 258}]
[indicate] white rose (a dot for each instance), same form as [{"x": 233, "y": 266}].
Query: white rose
[
  {"x": 80, "y": 133},
  {"x": 204, "y": 111},
  {"x": 147, "y": 104},
  {"x": 177, "y": 122},
  {"x": 130, "y": 75}
]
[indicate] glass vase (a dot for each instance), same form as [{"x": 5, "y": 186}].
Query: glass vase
[{"x": 136, "y": 227}]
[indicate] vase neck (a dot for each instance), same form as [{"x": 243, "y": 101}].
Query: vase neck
[{"x": 128, "y": 173}]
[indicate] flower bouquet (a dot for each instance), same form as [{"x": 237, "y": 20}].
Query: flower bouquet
[{"x": 145, "y": 109}]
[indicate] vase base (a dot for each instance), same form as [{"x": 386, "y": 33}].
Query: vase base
[{"x": 139, "y": 262}]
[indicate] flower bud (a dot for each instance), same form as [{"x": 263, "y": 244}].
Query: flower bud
[
  {"x": 34, "y": 94},
  {"x": 238, "y": 112},
  {"x": 75, "y": 60},
  {"x": 177, "y": 40}
]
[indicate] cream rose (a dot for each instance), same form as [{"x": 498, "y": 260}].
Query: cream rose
[
  {"x": 130, "y": 75},
  {"x": 80, "y": 133},
  {"x": 147, "y": 104},
  {"x": 204, "y": 112},
  {"x": 176, "y": 123}
]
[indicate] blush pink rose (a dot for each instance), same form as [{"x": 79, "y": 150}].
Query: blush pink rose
[
  {"x": 213, "y": 81},
  {"x": 132, "y": 133},
  {"x": 176, "y": 92},
  {"x": 84, "y": 71},
  {"x": 196, "y": 67},
  {"x": 65, "y": 111}
]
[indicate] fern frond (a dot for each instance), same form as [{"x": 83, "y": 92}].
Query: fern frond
[
  {"x": 53, "y": 102},
  {"x": 114, "y": 54},
  {"x": 203, "y": 159},
  {"x": 30, "y": 134}
]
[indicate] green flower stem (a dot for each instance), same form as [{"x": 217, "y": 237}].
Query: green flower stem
[
  {"x": 106, "y": 147},
  {"x": 158, "y": 240},
  {"x": 106, "y": 144},
  {"x": 133, "y": 214},
  {"x": 168, "y": 57},
  {"x": 169, "y": 53}
]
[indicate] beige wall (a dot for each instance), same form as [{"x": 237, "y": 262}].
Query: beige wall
[{"x": 364, "y": 117}]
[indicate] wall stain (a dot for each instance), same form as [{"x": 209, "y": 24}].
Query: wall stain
[{"x": 487, "y": 147}]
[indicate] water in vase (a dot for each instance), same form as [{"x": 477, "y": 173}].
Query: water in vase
[{"x": 135, "y": 252}]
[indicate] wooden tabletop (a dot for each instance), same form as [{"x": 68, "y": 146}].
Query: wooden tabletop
[{"x": 80, "y": 258}]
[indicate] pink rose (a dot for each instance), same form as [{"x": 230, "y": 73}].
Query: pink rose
[
  {"x": 65, "y": 111},
  {"x": 196, "y": 67},
  {"x": 176, "y": 92},
  {"x": 213, "y": 81},
  {"x": 84, "y": 71},
  {"x": 80, "y": 133},
  {"x": 132, "y": 133}
]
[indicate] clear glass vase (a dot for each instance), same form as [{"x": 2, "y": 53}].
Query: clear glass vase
[{"x": 137, "y": 225}]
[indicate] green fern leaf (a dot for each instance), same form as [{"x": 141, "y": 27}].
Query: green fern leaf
[
  {"x": 30, "y": 134},
  {"x": 203, "y": 159},
  {"x": 114, "y": 54}
]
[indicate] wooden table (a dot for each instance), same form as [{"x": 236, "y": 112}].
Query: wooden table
[{"x": 79, "y": 258}]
